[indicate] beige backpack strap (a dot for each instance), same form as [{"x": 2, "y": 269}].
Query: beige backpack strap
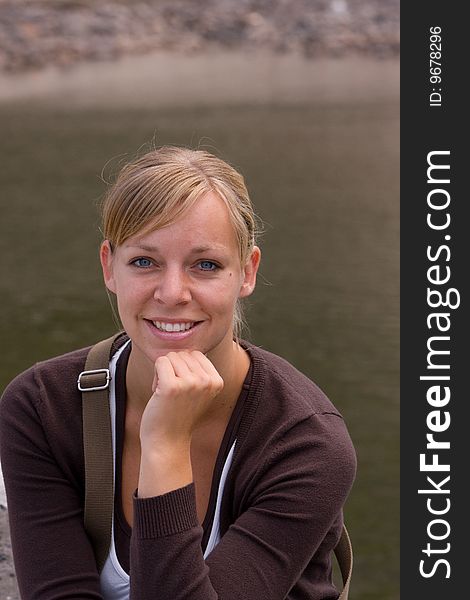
[
  {"x": 93, "y": 382},
  {"x": 344, "y": 555}
]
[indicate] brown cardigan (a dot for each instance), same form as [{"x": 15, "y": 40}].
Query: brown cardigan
[{"x": 281, "y": 514}]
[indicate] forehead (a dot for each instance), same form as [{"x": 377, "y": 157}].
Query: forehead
[{"x": 203, "y": 226}]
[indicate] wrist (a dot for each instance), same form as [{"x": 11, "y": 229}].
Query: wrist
[
  {"x": 164, "y": 468},
  {"x": 164, "y": 447}
]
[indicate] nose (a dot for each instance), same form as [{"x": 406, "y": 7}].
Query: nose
[{"x": 173, "y": 287}]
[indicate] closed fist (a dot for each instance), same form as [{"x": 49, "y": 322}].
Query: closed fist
[{"x": 184, "y": 387}]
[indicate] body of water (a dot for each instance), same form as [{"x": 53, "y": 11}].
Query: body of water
[{"x": 318, "y": 145}]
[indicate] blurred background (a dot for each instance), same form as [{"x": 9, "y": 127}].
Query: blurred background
[{"x": 302, "y": 97}]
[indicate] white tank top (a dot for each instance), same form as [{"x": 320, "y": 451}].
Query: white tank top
[{"x": 114, "y": 580}]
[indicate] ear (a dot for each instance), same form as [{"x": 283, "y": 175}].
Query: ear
[
  {"x": 250, "y": 271},
  {"x": 106, "y": 258}
]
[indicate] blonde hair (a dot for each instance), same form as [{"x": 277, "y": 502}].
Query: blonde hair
[{"x": 158, "y": 187}]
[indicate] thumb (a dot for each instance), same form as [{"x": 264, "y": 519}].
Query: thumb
[{"x": 154, "y": 382}]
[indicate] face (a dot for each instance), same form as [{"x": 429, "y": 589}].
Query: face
[{"x": 177, "y": 287}]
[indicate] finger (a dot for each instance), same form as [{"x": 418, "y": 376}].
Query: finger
[
  {"x": 209, "y": 370},
  {"x": 155, "y": 381},
  {"x": 204, "y": 363},
  {"x": 201, "y": 370},
  {"x": 164, "y": 371},
  {"x": 190, "y": 359},
  {"x": 182, "y": 367}
]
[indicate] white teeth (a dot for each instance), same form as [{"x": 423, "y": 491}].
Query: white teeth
[{"x": 170, "y": 327}]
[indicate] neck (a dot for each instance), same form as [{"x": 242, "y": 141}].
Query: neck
[
  {"x": 233, "y": 371},
  {"x": 139, "y": 378}
]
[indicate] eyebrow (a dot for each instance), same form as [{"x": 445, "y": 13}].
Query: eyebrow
[{"x": 195, "y": 250}]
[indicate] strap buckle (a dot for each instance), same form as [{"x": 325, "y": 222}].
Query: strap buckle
[{"x": 94, "y": 388}]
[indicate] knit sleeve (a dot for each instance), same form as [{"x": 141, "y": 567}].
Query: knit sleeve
[
  {"x": 53, "y": 557},
  {"x": 289, "y": 521}
]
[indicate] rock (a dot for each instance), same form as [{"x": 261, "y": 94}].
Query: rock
[
  {"x": 8, "y": 585},
  {"x": 37, "y": 34}
]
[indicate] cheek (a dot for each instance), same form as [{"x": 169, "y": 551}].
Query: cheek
[
  {"x": 219, "y": 294},
  {"x": 130, "y": 297},
  {"x": 225, "y": 294},
  {"x": 133, "y": 288}
]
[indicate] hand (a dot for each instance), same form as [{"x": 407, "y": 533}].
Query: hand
[{"x": 184, "y": 386}]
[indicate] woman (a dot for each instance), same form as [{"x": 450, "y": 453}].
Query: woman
[{"x": 231, "y": 467}]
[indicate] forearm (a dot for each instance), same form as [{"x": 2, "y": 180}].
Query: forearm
[{"x": 166, "y": 552}]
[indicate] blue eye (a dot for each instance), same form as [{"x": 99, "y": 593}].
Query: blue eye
[
  {"x": 208, "y": 265},
  {"x": 143, "y": 263}
]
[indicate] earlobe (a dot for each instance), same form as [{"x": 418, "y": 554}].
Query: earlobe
[
  {"x": 106, "y": 258},
  {"x": 250, "y": 271}
]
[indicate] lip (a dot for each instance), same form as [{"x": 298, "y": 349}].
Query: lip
[
  {"x": 167, "y": 320},
  {"x": 172, "y": 335}
]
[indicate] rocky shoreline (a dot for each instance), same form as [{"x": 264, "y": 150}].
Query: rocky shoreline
[
  {"x": 8, "y": 585},
  {"x": 35, "y": 34}
]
